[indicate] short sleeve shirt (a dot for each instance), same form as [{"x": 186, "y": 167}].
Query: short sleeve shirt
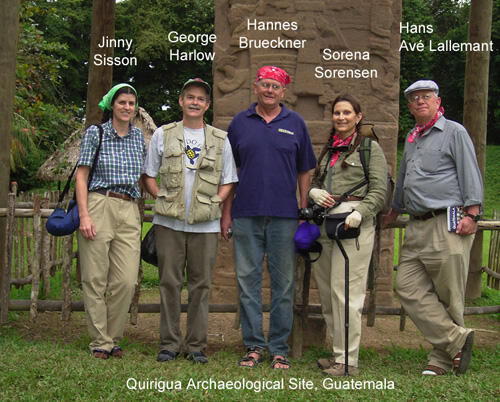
[
  {"x": 194, "y": 140},
  {"x": 269, "y": 156},
  {"x": 120, "y": 161}
]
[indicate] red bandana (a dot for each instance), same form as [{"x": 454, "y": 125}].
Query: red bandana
[
  {"x": 339, "y": 142},
  {"x": 273, "y": 73},
  {"x": 418, "y": 130}
]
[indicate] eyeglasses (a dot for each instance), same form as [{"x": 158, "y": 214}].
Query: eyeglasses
[
  {"x": 267, "y": 85},
  {"x": 416, "y": 98},
  {"x": 200, "y": 99}
]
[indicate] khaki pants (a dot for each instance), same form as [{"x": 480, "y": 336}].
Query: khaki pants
[
  {"x": 430, "y": 283},
  {"x": 329, "y": 273},
  {"x": 110, "y": 264},
  {"x": 195, "y": 254}
]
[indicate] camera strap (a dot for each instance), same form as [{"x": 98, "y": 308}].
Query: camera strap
[{"x": 346, "y": 194}]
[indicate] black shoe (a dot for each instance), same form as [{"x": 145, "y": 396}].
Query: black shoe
[
  {"x": 196, "y": 357},
  {"x": 462, "y": 359},
  {"x": 167, "y": 355}
]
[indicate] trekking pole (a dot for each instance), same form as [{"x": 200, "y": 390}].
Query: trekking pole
[{"x": 346, "y": 302}]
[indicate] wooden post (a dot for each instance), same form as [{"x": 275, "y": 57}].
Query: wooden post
[
  {"x": 35, "y": 266},
  {"x": 23, "y": 261},
  {"x": 9, "y": 34},
  {"x": 7, "y": 262},
  {"x": 100, "y": 77},
  {"x": 67, "y": 249},
  {"x": 475, "y": 115},
  {"x": 44, "y": 251}
]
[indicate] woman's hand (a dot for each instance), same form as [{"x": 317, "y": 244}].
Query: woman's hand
[
  {"x": 321, "y": 197},
  {"x": 353, "y": 220},
  {"x": 87, "y": 228}
]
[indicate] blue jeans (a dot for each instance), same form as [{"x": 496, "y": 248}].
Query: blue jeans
[{"x": 253, "y": 237}]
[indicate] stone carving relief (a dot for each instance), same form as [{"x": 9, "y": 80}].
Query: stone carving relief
[{"x": 346, "y": 28}]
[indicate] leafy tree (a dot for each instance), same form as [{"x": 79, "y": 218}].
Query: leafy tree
[
  {"x": 157, "y": 77},
  {"x": 41, "y": 118},
  {"x": 494, "y": 84},
  {"x": 415, "y": 65},
  {"x": 448, "y": 70},
  {"x": 68, "y": 22},
  {"x": 450, "y": 19}
]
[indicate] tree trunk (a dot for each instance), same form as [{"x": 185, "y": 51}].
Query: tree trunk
[
  {"x": 475, "y": 113},
  {"x": 9, "y": 34},
  {"x": 100, "y": 76}
]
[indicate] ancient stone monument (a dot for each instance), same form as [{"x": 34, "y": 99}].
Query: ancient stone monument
[{"x": 328, "y": 48}]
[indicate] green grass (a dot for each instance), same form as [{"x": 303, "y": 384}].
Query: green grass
[
  {"x": 55, "y": 370},
  {"x": 52, "y": 368}
]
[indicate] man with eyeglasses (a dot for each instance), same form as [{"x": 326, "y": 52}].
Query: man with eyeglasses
[
  {"x": 438, "y": 171},
  {"x": 197, "y": 171},
  {"x": 273, "y": 153}
]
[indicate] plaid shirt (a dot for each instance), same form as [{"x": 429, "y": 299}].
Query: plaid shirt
[{"x": 120, "y": 160}]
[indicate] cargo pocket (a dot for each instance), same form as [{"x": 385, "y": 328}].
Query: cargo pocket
[
  {"x": 171, "y": 177},
  {"x": 208, "y": 184},
  {"x": 207, "y": 163}
]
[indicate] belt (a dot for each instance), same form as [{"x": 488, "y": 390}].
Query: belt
[
  {"x": 348, "y": 198},
  {"x": 108, "y": 193},
  {"x": 428, "y": 215}
]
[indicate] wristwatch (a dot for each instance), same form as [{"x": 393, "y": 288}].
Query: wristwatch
[{"x": 475, "y": 218}]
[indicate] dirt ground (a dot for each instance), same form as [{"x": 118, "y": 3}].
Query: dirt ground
[{"x": 221, "y": 332}]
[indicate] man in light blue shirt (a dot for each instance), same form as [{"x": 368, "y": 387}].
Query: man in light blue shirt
[{"x": 438, "y": 170}]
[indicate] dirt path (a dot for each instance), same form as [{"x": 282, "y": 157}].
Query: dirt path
[{"x": 381, "y": 337}]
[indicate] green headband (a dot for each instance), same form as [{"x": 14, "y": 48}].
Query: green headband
[{"x": 106, "y": 100}]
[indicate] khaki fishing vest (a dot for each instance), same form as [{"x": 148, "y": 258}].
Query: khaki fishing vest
[{"x": 205, "y": 203}]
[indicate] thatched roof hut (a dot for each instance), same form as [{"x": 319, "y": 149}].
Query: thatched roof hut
[{"x": 59, "y": 165}]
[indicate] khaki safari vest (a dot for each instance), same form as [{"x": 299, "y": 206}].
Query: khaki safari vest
[{"x": 205, "y": 203}]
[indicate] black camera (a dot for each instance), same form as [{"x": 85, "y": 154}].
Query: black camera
[{"x": 315, "y": 213}]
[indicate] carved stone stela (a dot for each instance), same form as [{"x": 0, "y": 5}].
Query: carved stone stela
[{"x": 328, "y": 48}]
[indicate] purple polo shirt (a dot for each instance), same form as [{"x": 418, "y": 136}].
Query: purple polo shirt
[{"x": 269, "y": 157}]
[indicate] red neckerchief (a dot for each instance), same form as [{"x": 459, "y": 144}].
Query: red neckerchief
[
  {"x": 339, "y": 142},
  {"x": 418, "y": 130}
]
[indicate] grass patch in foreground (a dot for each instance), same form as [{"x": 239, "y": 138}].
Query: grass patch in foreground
[{"x": 54, "y": 370}]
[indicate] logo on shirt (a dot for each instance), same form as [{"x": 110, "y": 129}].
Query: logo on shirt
[
  {"x": 192, "y": 154},
  {"x": 282, "y": 130}
]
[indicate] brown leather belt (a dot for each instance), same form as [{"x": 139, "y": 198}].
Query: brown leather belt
[
  {"x": 348, "y": 198},
  {"x": 103, "y": 191},
  {"x": 428, "y": 215}
]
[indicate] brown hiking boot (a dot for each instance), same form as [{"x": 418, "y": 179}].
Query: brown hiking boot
[
  {"x": 338, "y": 370},
  {"x": 326, "y": 362}
]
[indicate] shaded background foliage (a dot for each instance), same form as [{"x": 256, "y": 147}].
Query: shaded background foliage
[
  {"x": 53, "y": 56},
  {"x": 450, "y": 20}
]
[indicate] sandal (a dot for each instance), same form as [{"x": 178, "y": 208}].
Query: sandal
[
  {"x": 280, "y": 360},
  {"x": 430, "y": 369},
  {"x": 100, "y": 354},
  {"x": 252, "y": 359},
  {"x": 116, "y": 352}
]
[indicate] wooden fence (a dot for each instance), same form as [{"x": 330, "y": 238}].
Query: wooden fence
[{"x": 33, "y": 256}]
